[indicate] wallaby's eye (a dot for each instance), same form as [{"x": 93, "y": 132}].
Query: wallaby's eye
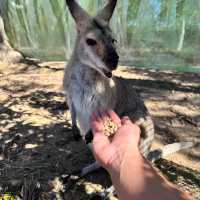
[
  {"x": 91, "y": 42},
  {"x": 114, "y": 41}
]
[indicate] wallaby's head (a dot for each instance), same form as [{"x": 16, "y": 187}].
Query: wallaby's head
[{"x": 95, "y": 44}]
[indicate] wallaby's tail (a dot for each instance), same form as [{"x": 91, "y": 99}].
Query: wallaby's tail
[
  {"x": 168, "y": 149},
  {"x": 147, "y": 134}
]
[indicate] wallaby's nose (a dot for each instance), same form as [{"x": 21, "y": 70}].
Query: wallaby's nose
[{"x": 112, "y": 60}]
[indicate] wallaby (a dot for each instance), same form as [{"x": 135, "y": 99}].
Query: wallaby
[{"x": 90, "y": 85}]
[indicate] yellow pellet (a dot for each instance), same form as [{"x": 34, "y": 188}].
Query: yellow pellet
[{"x": 110, "y": 128}]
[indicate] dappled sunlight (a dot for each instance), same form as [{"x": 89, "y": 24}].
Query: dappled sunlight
[
  {"x": 189, "y": 111},
  {"x": 31, "y": 146},
  {"x": 162, "y": 113},
  {"x": 35, "y": 126},
  {"x": 158, "y": 45},
  {"x": 36, "y": 120},
  {"x": 128, "y": 72},
  {"x": 91, "y": 188}
]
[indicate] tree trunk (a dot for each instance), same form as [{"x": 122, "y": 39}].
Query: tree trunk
[
  {"x": 7, "y": 53},
  {"x": 182, "y": 36}
]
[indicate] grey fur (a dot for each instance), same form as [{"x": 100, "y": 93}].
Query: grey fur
[
  {"x": 88, "y": 88},
  {"x": 107, "y": 12},
  {"x": 77, "y": 12}
]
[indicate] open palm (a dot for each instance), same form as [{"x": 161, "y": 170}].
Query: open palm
[{"x": 111, "y": 151}]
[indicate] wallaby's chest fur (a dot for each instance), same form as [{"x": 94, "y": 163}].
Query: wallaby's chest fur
[{"x": 88, "y": 91}]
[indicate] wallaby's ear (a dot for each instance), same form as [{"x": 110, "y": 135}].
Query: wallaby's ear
[
  {"x": 78, "y": 13},
  {"x": 107, "y": 12}
]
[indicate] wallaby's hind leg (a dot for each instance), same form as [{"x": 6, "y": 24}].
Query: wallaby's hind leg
[
  {"x": 90, "y": 168},
  {"x": 86, "y": 170},
  {"x": 75, "y": 129}
]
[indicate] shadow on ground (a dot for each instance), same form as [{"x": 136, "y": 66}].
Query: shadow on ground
[{"x": 36, "y": 137}]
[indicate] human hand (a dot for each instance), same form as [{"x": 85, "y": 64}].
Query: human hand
[{"x": 111, "y": 152}]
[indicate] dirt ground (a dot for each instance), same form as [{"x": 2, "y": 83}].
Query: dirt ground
[{"x": 36, "y": 143}]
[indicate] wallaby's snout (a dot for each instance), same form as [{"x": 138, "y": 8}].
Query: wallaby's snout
[
  {"x": 95, "y": 45},
  {"x": 111, "y": 60}
]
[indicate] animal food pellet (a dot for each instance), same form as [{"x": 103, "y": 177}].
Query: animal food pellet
[{"x": 110, "y": 128}]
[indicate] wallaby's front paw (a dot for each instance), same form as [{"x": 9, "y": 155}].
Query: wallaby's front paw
[
  {"x": 89, "y": 137},
  {"x": 76, "y": 133}
]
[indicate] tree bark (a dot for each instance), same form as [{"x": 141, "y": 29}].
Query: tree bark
[
  {"x": 7, "y": 53},
  {"x": 182, "y": 36}
]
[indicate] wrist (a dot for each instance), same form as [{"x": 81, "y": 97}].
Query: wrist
[
  {"x": 123, "y": 176},
  {"x": 121, "y": 160}
]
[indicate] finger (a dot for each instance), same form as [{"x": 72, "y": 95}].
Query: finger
[
  {"x": 96, "y": 116},
  {"x": 125, "y": 120},
  {"x": 93, "y": 117},
  {"x": 111, "y": 114},
  {"x": 97, "y": 126},
  {"x": 103, "y": 115},
  {"x": 100, "y": 142}
]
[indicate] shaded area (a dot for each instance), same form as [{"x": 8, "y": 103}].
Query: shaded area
[
  {"x": 42, "y": 148},
  {"x": 36, "y": 141},
  {"x": 180, "y": 175},
  {"x": 164, "y": 85}
]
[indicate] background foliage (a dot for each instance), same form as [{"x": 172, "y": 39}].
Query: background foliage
[{"x": 151, "y": 33}]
